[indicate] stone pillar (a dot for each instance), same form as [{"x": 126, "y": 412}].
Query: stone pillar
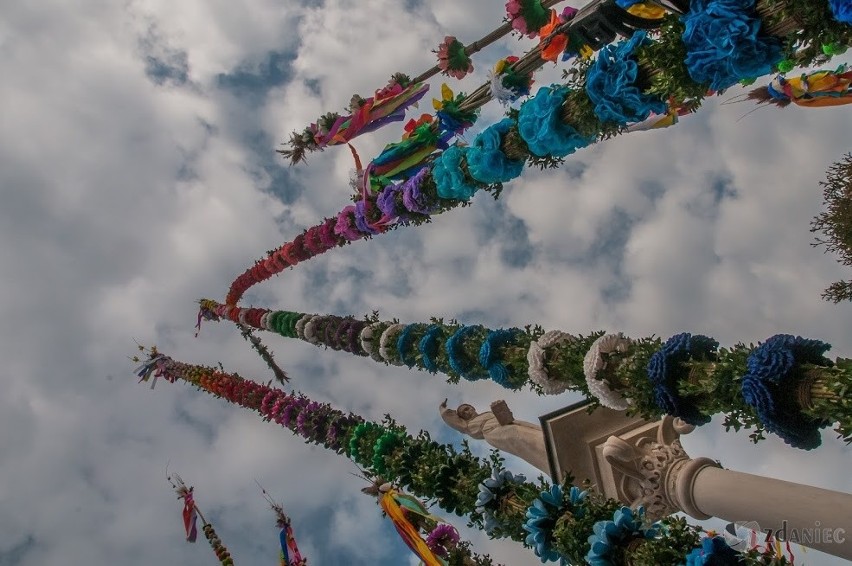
[
  {"x": 810, "y": 516},
  {"x": 657, "y": 473}
]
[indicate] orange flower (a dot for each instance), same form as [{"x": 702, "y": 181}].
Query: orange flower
[
  {"x": 556, "y": 43},
  {"x": 414, "y": 124}
]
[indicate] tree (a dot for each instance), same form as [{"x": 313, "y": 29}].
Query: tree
[{"x": 835, "y": 224}]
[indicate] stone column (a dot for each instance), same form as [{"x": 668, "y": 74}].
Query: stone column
[{"x": 657, "y": 473}]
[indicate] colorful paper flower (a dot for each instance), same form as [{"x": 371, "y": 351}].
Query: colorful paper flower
[
  {"x": 526, "y": 16},
  {"x": 507, "y": 85},
  {"x": 449, "y": 177},
  {"x": 405, "y": 343},
  {"x": 724, "y": 44},
  {"x": 611, "y": 84},
  {"x": 542, "y": 515},
  {"x": 486, "y": 161},
  {"x": 714, "y": 551},
  {"x": 595, "y": 361},
  {"x": 770, "y": 384},
  {"x": 665, "y": 369},
  {"x": 442, "y": 539},
  {"x": 626, "y": 525},
  {"x": 542, "y": 128},
  {"x": 489, "y": 355},
  {"x": 345, "y": 225},
  {"x": 553, "y": 44},
  {"x": 842, "y": 10},
  {"x": 429, "y": 345},
  {"x": 414, "y": 198},
  {"x": 451, "y": 117},
  {"x": 490, "y": 491},
  {"x": 452, "y": 58},
  {"x": 536, "y": 356}
]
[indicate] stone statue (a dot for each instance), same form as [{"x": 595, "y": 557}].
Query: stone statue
[{"x": 500, "y": 429}]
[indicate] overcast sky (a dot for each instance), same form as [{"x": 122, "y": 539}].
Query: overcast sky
[{"x": 138, "y": 174}]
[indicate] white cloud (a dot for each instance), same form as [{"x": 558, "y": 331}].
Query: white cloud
[{"x": 123, "y": 202}]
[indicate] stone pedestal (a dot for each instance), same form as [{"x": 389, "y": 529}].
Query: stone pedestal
[{"x": 643, "y": 463}]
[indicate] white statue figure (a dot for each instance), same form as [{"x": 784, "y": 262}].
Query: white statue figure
[{"x": 500, "y": 429}]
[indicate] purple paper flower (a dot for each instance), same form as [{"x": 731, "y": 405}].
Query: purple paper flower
[
  {"x": 345, "y": 225},
  {"x": 390, "y": 202},
  {"x": 303, "y": 421},
  {"x": 442, "y": 539},
  {"x": 413, "y": 197},
  {"x": 362, "y": 220}
]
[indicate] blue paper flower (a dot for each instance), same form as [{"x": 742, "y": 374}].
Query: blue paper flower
[
  {"x": 405, "y": 343},
  {"x": 488, "y": 355},
  {"x": 842, "y": 10},
  {"x": 486, "y": 161},
  {"x": 724, "y": 44},
  {"x": 611, "y": 84},
  {"x": 542, "y": 128},
  {"x": 665, "y": 370},
  {"x": 714, "y": 551},
  {"x": 490, "y": 491},
  {"x": 459, "y": 362},
  {"x": 771, "y": 381},
  {"x": 448, "y": 176},
  {"x": 625, "y": 526},
  {"x": 541, "y": 518},
  {"x": 428, "y": 347}
]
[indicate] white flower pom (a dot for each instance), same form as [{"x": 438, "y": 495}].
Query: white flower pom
[
  {"x": 535, "y": 358},
  {"x": 368, "y": 344},
  {"x": 500, "y": 93},
  {"x": 311, "y": 330},
  {"x": 387, "y": 344},
  {"x": 594, "y": 362},
  {"x": 300, "y": 326},
  {"x": 264, "y": 319}
]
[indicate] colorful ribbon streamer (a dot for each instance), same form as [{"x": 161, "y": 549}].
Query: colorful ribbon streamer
[{"x": 397, "y": 505}]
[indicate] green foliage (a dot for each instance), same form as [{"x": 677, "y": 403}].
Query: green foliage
[
  {"x": 818, "y": 27},
  {"x": 462, "y": 555},
  {"x": 835, "y": 224},
  {"x": 571, "y": 533},
  {"x": 632, "y": 373},
  {"x": 678, "y": 539},
  {"x": 666, "y": 55},
  {"x": 565, "y": 361},
  {"x": 834, "y": 402},
  {"x": 577, "y": 110}
]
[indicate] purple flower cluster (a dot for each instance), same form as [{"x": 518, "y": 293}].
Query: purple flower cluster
[
  {"x": 362, "y": 218},
  {"x": 442, "y": 538},
  {"x": 413, "y": 197},
  {"x": 345, "y": 224}
]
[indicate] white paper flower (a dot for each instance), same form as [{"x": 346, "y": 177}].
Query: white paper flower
[
  {"x": 387, "y": 344},
  {"x": 264, "y": 319},
  {"x": 500, "y": 93},
  {"x": 300, "y": 326},
  {"x": 311, "y": 329},
  {"x": 536, "y": 358},
  {"x": 595, "y": 362},
  {"x": 368, "y": 342}
]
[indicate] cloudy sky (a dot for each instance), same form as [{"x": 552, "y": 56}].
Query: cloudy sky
[{"x": 138, "y": 174}]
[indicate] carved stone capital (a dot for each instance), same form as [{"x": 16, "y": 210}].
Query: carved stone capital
[{"x": 656, "y": 472}]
